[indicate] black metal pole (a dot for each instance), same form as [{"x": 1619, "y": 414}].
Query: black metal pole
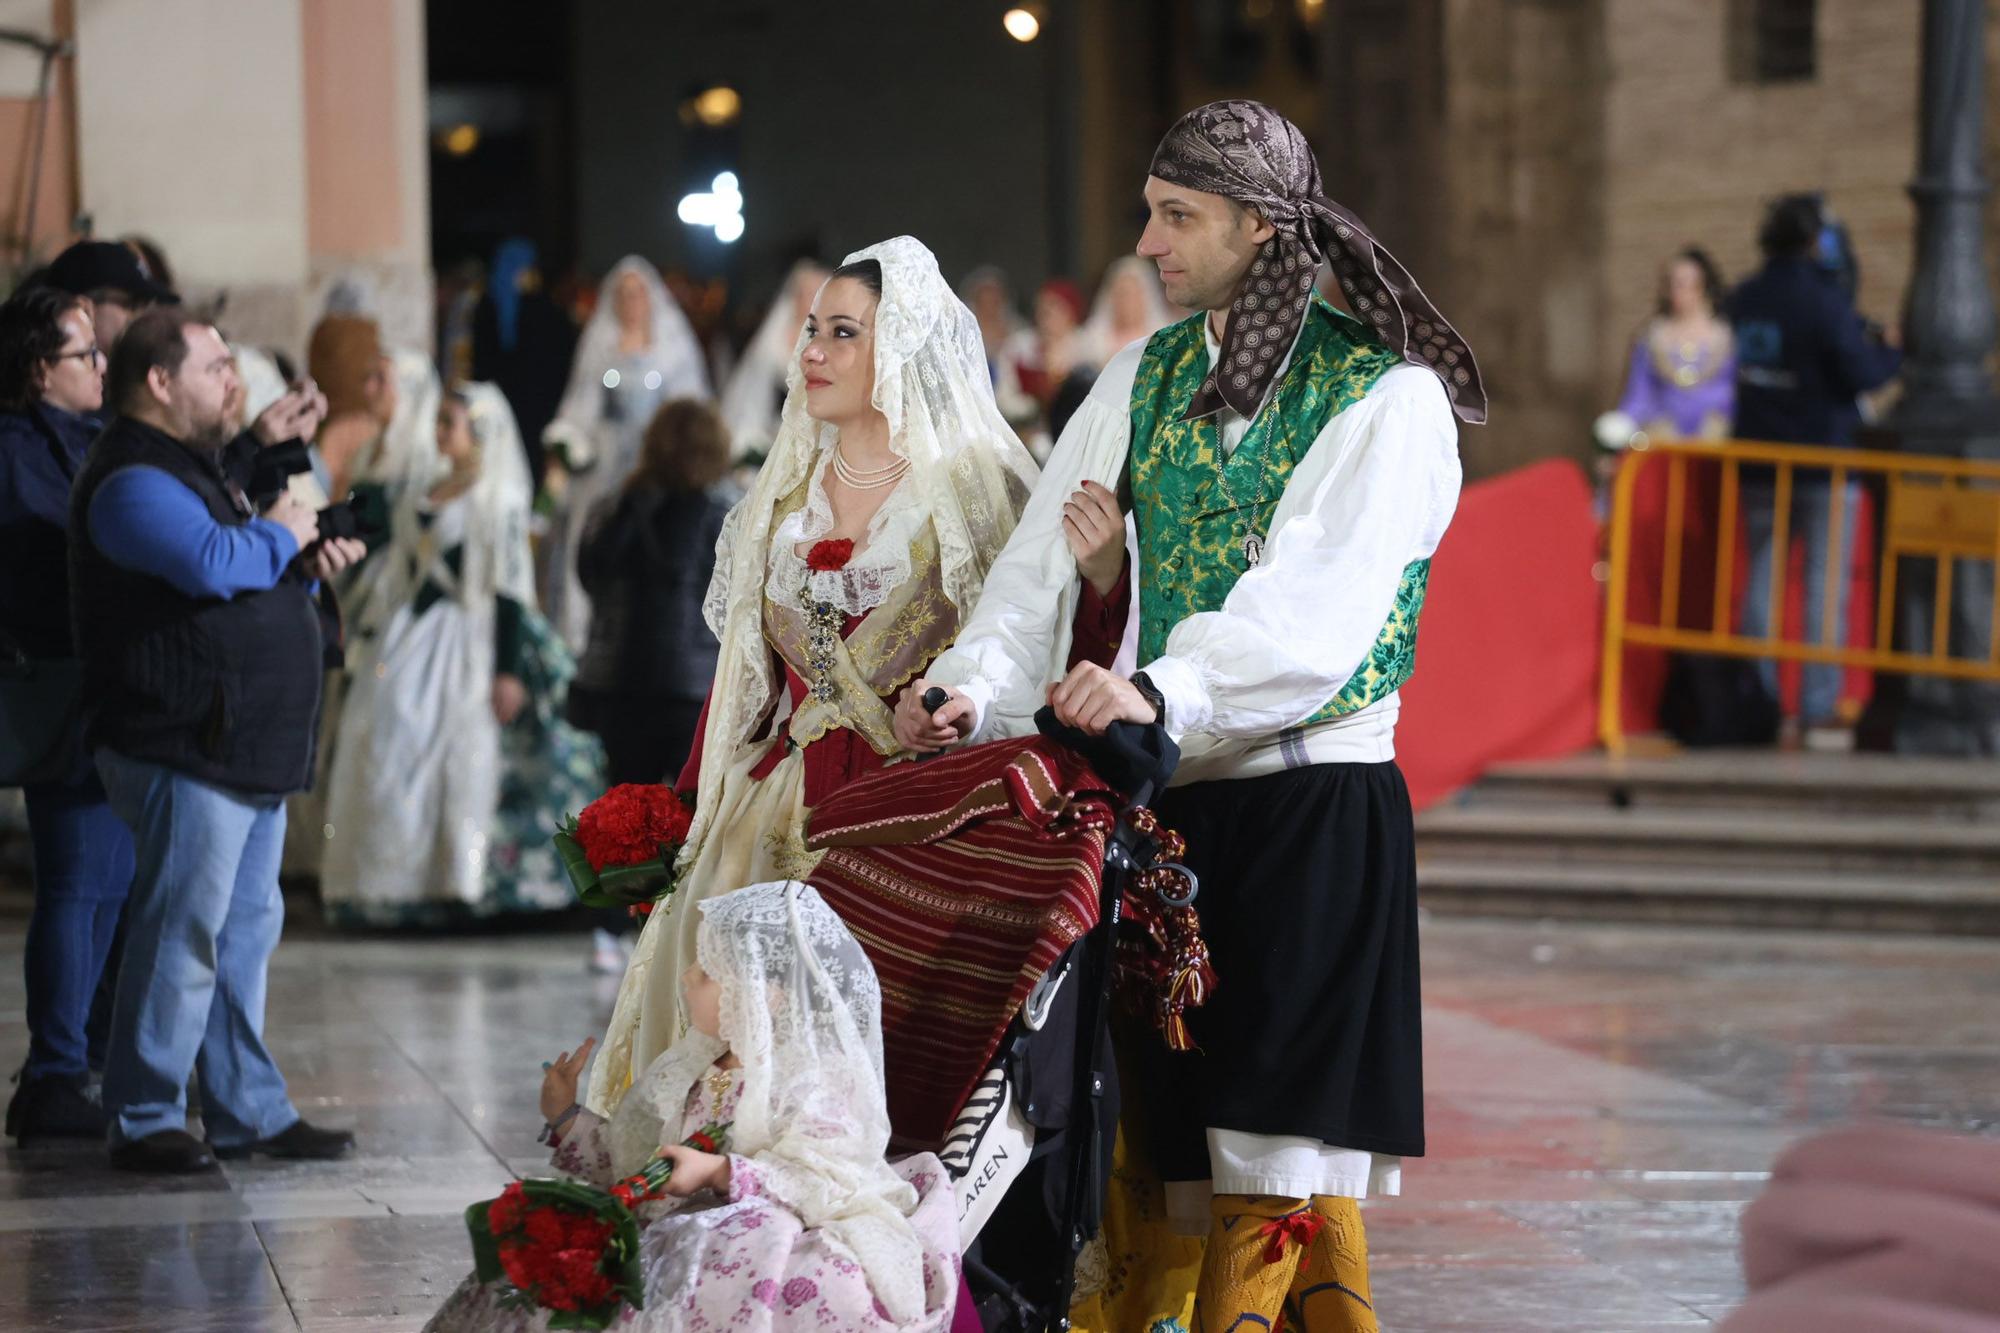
[{"x": 1948, "y": 405}]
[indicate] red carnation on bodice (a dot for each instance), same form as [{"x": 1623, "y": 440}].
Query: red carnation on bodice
[{"x": 829, "y": 555}]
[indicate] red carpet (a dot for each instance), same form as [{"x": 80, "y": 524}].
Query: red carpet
[{"x": 1508, "y": 649}]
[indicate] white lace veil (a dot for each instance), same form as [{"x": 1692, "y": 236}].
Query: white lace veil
[
  {"x": 969, "y": 476},
  {"x": 673, "y": 351},
  {"x": 1101, "y": 337},
  {"x": 405, "y": 463},
  {"x": 801, "y": 1009},
  {"x": 750, "y": 400},
  {"x": 498, "y": 559},
  {"x": 491, "y": 521},
  {"x": 408, "y": 452}
]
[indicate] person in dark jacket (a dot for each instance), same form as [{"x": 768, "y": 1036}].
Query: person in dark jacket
[
  {"x": 1804, "y": 356},
  {"x": 51, "y": 389},
  {"x": 647, "y": 554},
  {"x": 523, "y": 340},
  {"x": 200, "y": 644}
]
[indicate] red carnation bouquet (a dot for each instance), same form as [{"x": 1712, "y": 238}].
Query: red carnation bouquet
[
  {"x": 571, "y": 1248},
  {"x": 620, "y": 851}
]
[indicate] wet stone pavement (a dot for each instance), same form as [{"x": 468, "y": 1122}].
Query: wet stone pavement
[{"x": 1602, "y": 1103}]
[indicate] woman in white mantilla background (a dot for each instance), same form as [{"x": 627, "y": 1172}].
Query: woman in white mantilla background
[
  {"x": 891, "y": 485},
  {"x": 636, "y": 352},
  {"x": 754, "y": 398},
  {"x": 1130, "y": 305},
  {"x": 451, "y": 765}
]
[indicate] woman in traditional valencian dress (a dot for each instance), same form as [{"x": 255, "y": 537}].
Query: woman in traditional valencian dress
[
  {"x": 637, "y": 351},
  {"x": 452, "y": 766},
  {"x": 892, "y": 483}
]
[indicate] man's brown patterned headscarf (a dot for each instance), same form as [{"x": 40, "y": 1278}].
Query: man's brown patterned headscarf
[{"x": 1249, "y": 153}]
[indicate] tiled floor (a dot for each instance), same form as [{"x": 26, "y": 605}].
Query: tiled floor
[{"x": 1602, "y": 1102}]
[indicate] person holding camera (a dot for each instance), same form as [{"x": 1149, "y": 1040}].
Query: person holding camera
[
  {"x": 51, "y": 389},
  {"x": 201, "y": 650}
]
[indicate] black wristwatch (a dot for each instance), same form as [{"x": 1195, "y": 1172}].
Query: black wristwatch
[{"x": 1151, "y": 693}]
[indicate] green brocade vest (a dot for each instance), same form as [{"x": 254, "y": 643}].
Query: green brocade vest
[{"x": 1191, "y": 522}]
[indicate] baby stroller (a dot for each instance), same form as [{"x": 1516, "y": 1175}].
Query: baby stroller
[{"x": 995, "y": 889}]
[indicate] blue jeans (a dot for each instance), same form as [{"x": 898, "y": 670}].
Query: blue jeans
[
  {"x": 1811, "y": 522},
  {"x": 83, "y": 869},
  {"x": 202, "y": 922}
]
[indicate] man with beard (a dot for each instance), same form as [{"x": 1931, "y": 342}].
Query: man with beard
[
  {"x": 1290, "y": 470},
  {"x": 201, "y": 655}
]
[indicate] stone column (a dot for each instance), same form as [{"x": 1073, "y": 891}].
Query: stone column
[{"x": 271, "y": 147}]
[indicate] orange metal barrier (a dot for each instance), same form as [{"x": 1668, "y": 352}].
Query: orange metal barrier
[{"x": 1944, "y": 509}]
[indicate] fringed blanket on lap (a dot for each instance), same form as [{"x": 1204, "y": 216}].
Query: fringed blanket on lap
[{"x": 965, "y": 878}]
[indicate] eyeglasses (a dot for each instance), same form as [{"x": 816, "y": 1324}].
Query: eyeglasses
[{"x": 91, "y": 353}]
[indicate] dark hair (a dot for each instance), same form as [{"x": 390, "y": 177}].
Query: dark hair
[
  {"x": 1791, "y": 226},
  {"x": 867, "y": 272},
  {"x": 156, "y": 339},
  {"x": 31, "y": 336},
  {"x": 1711, "y": 278},
  {"x": 686, "y": 448}
]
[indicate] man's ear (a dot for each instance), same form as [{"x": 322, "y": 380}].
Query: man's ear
[
  {"x": 1260, "y": 228},
  {"x": 159, "y": 383}
]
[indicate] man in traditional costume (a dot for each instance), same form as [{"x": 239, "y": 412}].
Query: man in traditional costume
[{"x": 1291, "y": 470}]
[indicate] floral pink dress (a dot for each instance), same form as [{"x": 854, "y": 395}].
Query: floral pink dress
[{"x": 743, "y": 1263}]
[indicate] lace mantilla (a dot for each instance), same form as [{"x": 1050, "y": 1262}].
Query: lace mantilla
[{"x": 969, "y": 476}]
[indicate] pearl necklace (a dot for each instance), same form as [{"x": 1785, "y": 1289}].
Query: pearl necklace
[{"x": 867, "y": 479}]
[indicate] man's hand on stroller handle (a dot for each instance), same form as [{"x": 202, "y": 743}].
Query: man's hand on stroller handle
[
  {"x": 926, "y": 731},
  {"x": 1090, "y": 698}
]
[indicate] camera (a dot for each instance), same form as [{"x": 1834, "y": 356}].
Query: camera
[
  {"x": 272, "y": 468},
  {"x": 363, "y": 518}
]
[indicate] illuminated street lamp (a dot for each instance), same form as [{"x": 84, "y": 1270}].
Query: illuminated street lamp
[{"x": 719, "y": 208}]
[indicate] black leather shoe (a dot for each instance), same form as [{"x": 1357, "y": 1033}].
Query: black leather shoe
[
  {"x": 171, "y": 1152},
  {"x": 54, "y": 1108},
  {"x": 301, "y": 1142}
]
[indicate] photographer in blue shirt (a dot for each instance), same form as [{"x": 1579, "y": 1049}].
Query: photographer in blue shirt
[{"x": 201, "y": 645}]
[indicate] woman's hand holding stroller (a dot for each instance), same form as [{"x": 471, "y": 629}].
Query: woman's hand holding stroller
[{"x": 926, "y": 731}]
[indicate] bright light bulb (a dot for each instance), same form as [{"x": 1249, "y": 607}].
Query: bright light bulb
[
  {"x": 718, "y": 106},
  {"x": 719, "y": 208},
  {"x": 1021, "y": 25}
]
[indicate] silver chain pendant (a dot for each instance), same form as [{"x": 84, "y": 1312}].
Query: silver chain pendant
[{"x": 1253, "y": 549}]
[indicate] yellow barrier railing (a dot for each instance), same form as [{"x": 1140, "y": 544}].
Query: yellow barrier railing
[{"x": 1941, "y": 509}]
